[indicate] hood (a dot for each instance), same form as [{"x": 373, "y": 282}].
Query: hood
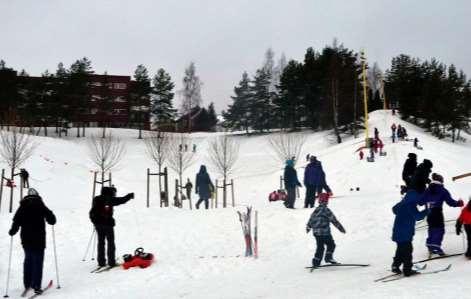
[
  {"x": 32, "y": 200},
  {"x": 427, "y": 164},
  {"x": 435, "y": 187},
  {"x": 203, "y": 169},
  {"x": 411, "y": 198}
]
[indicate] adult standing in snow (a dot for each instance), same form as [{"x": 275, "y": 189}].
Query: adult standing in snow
[
  {"x": 31, "y": 217},
  {"x": 291, "y": 182},
  {"x": 101, "y": 215},
  {"x": 188, "y": 187},
  {"x": 408, "y": 170},
  {"x": 404, "y": 229},
  {"x": 393, "y": 131},
  {"x": 465, "y": 219},
  {"x": 434, "y": 196},
  {"x": 312, "y": 181},
  {"x": 421, "y": 179},
  {"x": 319, "y": 222},
  {"x": 203, "y": 187},
  {"x": 24, "y": 175}
]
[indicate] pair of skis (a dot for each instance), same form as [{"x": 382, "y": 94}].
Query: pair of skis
[
  {"x": 101, "y": 269},
  {"x": 251, "y": 245},
  {"x": 312, "y": 268},
  {"x": 395, "y": 277},
  {"x": 25, "y": 292}
]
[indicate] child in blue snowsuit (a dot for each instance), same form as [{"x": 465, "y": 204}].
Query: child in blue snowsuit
[
  {"x": 435, "y": 196},
  {"x": 404, "y": 229}
]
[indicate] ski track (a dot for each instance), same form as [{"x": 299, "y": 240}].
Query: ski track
[{"x": 179, "y": 237}]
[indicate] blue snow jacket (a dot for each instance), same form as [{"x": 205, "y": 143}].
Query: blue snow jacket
[
  {"x": 291, "y": 177},
  {"x": 406, "y": 215},
  {"x": 436, "y": 194},
  {"x": 314, "y": 174}
]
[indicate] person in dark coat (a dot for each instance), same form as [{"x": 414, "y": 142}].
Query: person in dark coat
[
  {"x": 376, "y": 132},
  {"x": 291, "y": 182},
  {"x": 319, "y": 222},
  {"x": 31, "y": 217},
  {"x": 203, "y": 187},
  {"x": 101, "y": 215},
  {"x": 188, "y": 187},
  {"x": 312, "y": 181},
  {"x": 404, "y": 229},
  {"x": 421, "y": 179},
  {"x": 435, "y": 196},
  {"x": 24, "y": 178},
  {"x": 409, "y": 169},
  {"x": 465, "y": 220}
]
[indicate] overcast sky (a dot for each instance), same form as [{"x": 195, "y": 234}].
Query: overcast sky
[{"x": 224, "y": 37}]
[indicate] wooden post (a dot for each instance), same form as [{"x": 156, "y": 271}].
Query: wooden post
[
  {"x": 224, "y": 194},
  {"x": 21, "y": 187},
  {"x": 109, "y": 179},
  {"x": 166, "y": 186},
  {"x": 281, "y": 182},
  {"x": 216, "y": 195},
  {"x": 94, "y": 184},
  {"x": 148, "y": 184},
  {"x": 1, "y": 187},
  {"x": 255, "y": 245},
  {"x": 232, "y": 189},
  {"x": 175, "y": 199},
  {"x": 11, "y": 189}
]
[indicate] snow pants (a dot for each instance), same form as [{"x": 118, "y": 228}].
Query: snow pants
[
  {"x": 105, "y": 232},
  {"x": 467, "y": 228},
  {"x": 291, "y": 197},
  {"x": 33, "y": 268},
  {"x": 403, "y": 257},
  {"x": 311, "y": 192},
  {"x": 323, "y": 241},
  {"x": 206, "y": 203},
  {"x": 435, "y": 238}
]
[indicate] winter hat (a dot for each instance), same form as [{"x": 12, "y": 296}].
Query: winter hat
[
  {"x": 313, "y": 159},
  {"x": 290, "y": 163},
  {"x": 436, "y": 178},
  {"x": 108, "y": 191},
  {"x": 33, "y": 192},
  {"x": 412, "y": 156},
  {"x": 324, "y": 198},
  {"x": 427, "y": 163}
]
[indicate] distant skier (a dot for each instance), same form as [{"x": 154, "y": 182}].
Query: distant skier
[
  {"x": 313, "y": 181},
  {"x": 291, "y": 182},
  {"x": 101, "y": 215},
  {"x": 403, "y": 231},
  {"x": 393, "y": 132},
  {"x": 421, "y": 179},
  {"x": 203, "y": 187},
  {"x": 24, "y": 178},
  {"x": 408, "y": 171},
  {"x": 465, "y": 219},
  {"x": 399, "y": 132},
  {"x": 434, "y": 196},
  {"x": 416, "y": 142},
  {"x": 361, "y": 154},
  {"x": 319, "y": 222},
  {"x": 31, "y": 217}
]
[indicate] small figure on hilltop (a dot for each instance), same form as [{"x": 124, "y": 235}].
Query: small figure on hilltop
[
  {"x": 376, "y": 133},
  {"x": 188, "y": 187},
  {"x": 435, "y": 195},
  {"x": 31, "y": 217},
  {"x": 313, "y": 181},
  {"x": 404, "y": 229},
  {"x": 393, "y": 132},
  {"x": 24, "y": 175},
  {"x": 291, "y": 181},
  {"x": 408, "y": 171},
  {"x": 361, "y": 154},
  {"x": 465, "y": 219},
  {"x": 421, "y": 179},
  {"x": 203, "y": 187},
  {"x": 101, "y": 215},
  {"x": 319, "y": 223}
]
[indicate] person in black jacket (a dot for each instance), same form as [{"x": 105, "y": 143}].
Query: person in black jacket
[
  {"x": 101, "y": 216},
  {"x": 291, "y": 182},
  {"x": 409, "y": 169},
  {"x": 421, "y": 179},
  {"x": 30, "y": 217},
  {"x": 203, "y": 187}
]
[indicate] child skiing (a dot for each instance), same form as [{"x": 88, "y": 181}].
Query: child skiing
[
  {"x": 465, "y": 219},
  {"x": 319, "y": 222},
  {"x": 291, "y": 182},
  {"x": 403, "y": 231}
]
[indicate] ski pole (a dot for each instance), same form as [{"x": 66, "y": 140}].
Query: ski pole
[
  {"x": 55, "y": 256},
  {"x": 9, "y": 268},
  {"x": 94, "y": 244},
  {"x": 88, "y": 246}
]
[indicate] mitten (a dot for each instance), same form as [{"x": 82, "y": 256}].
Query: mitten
[
  {"x": 11, "y": 232},
  {"x": 460, "y": 203}
]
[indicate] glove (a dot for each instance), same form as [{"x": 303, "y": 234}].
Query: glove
[
  {"x": 308, "y": 229},
  {"x": 458, "y": 230},
  {"x": 131, "y": 195},
  {"x": 343, "y": 231},
  {"x": 11, "y": 232},
  {"x": 460, "y": 203}
]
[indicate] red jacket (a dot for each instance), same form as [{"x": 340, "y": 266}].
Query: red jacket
[{"x": 465, "y": 216}]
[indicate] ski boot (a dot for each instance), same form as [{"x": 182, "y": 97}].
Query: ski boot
[
  {"x": 411, "y": 273},
  {"x": 315, "y": 263},
  {"x": 396, "y": 270},
  {"x": 331, "y": 261}
]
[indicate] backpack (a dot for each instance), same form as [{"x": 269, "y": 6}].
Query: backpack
[{"x": 100, "y": 211}]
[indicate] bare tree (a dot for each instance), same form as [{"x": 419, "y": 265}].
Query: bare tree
[
  {"x": 106, "y": 153},
  {"x": 223, "y": 154},
  {"x": 157, "y": 145},
  {"x": 15, "y": 150},
  {"x": 287, "y": 145},
  {"x": 179, "y": 156}
]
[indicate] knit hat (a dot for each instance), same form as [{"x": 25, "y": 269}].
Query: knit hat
[
  {"x": 427, "y": 163},
  {"x": 324, "y": 198},
  {"x": 313, "y": 159},
  {"x": 290, "y": 163},
  {"x": 33, "y": 192},
  {"x": 412, "y": 155},
  {"x": 437, "y": 178}
]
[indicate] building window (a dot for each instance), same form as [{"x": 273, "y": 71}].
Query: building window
[
  {"x": 120, "y": 100},
  {"x": 95, "y": 98},
  {"x": 118, "y": 111},
  {"x": 97, "y": 84},
  {"x": 120, "y": 86},
  {"x": 93, "y": 111}
]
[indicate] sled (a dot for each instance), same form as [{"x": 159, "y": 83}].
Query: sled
[{"x": 461, "y": 176}]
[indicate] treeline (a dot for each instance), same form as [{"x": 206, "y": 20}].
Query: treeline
[
  {"x": 430, "y": 94},
  {"x": 63, "y": 98},
  {"x": 322, "y": 92}
]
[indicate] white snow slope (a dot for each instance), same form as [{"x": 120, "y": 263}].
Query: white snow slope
[{"x": 179, "y": 237}]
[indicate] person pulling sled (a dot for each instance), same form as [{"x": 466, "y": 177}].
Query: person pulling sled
[{"x": 319, "y": 223}]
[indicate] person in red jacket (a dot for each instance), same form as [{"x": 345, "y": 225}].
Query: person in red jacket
[{"x": 465, "y": 219}]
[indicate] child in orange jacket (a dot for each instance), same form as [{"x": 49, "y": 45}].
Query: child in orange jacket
[{"x": 465, "y": 219}]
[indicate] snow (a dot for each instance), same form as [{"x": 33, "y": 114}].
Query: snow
[{"x": 180, "y": 237}]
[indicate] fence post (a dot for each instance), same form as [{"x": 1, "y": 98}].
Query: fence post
[
  {"x": 175, "y": 199},
  {"x": 148, "y": 183},
  {"x": 1, "y": 187},
  {"x": 224, "y": 193},
  {"x": 216, "y": 195},
  {"x": 166, "y": 187},
  {"x": 281, "y": 182},
  {"x": 109, "y": 179},
  {"x": 21, "y": 187},
  {"x": 94, "y": 184},
  {"x": 232, "y": 189}
]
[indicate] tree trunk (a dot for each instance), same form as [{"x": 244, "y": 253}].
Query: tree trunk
[{"x": 12, "y": 177}]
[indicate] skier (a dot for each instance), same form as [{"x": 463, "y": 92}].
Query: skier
[
  {"x": 291, "y": 182},
  {"x": 319, "y": 222},
  {"x": 399, "y": 132},
  {"x": 204, "y": 187},
  {"x": 416, "y": 142},
  {"x": 188, "y": 187},
  {"x": 393, "y": 130},
  {"x": 30, "y": 217},
  {"x": 403, "y": 231},
  {"x": 361, "y": 154},
  {"x": 24, "y": 178},
  {"x": 434, "y": 196},
  {"x": 408, "y": 171},
  {"x": 101, "y": 215},
  {"x": 465, "y": 219},
  {"x": 312, "y": 181},
  {"x": 420, "y": 179}
]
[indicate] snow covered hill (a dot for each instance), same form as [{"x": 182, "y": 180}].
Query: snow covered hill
[{"x": 179, "y": 238}]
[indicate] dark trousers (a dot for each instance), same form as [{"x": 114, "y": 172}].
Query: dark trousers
[
  {"x": 403, "y": 257},
  {"x": 311, "y": 192},
  {"x": 33, "y": 268},
  {"x": 105, "y": 232},
  {"x": 467, "y": 229},
  {"x": 323, "y": 241},
  {"x": 291, "y": 197},
  {"x": 206, "y": 203},
  {"x": 435, "y": 238}
]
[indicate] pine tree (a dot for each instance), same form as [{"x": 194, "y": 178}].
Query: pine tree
[
  {"x": 289, "y": 104},
  {"x": 212, "y": 117},
  {"x": 260, "y": 106},
  {"x": 238, "y": 114},
  {"x": 77, "y": 90},
  {"x": 161, "y": 99},
  {"x": 140, "y": 96}
]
